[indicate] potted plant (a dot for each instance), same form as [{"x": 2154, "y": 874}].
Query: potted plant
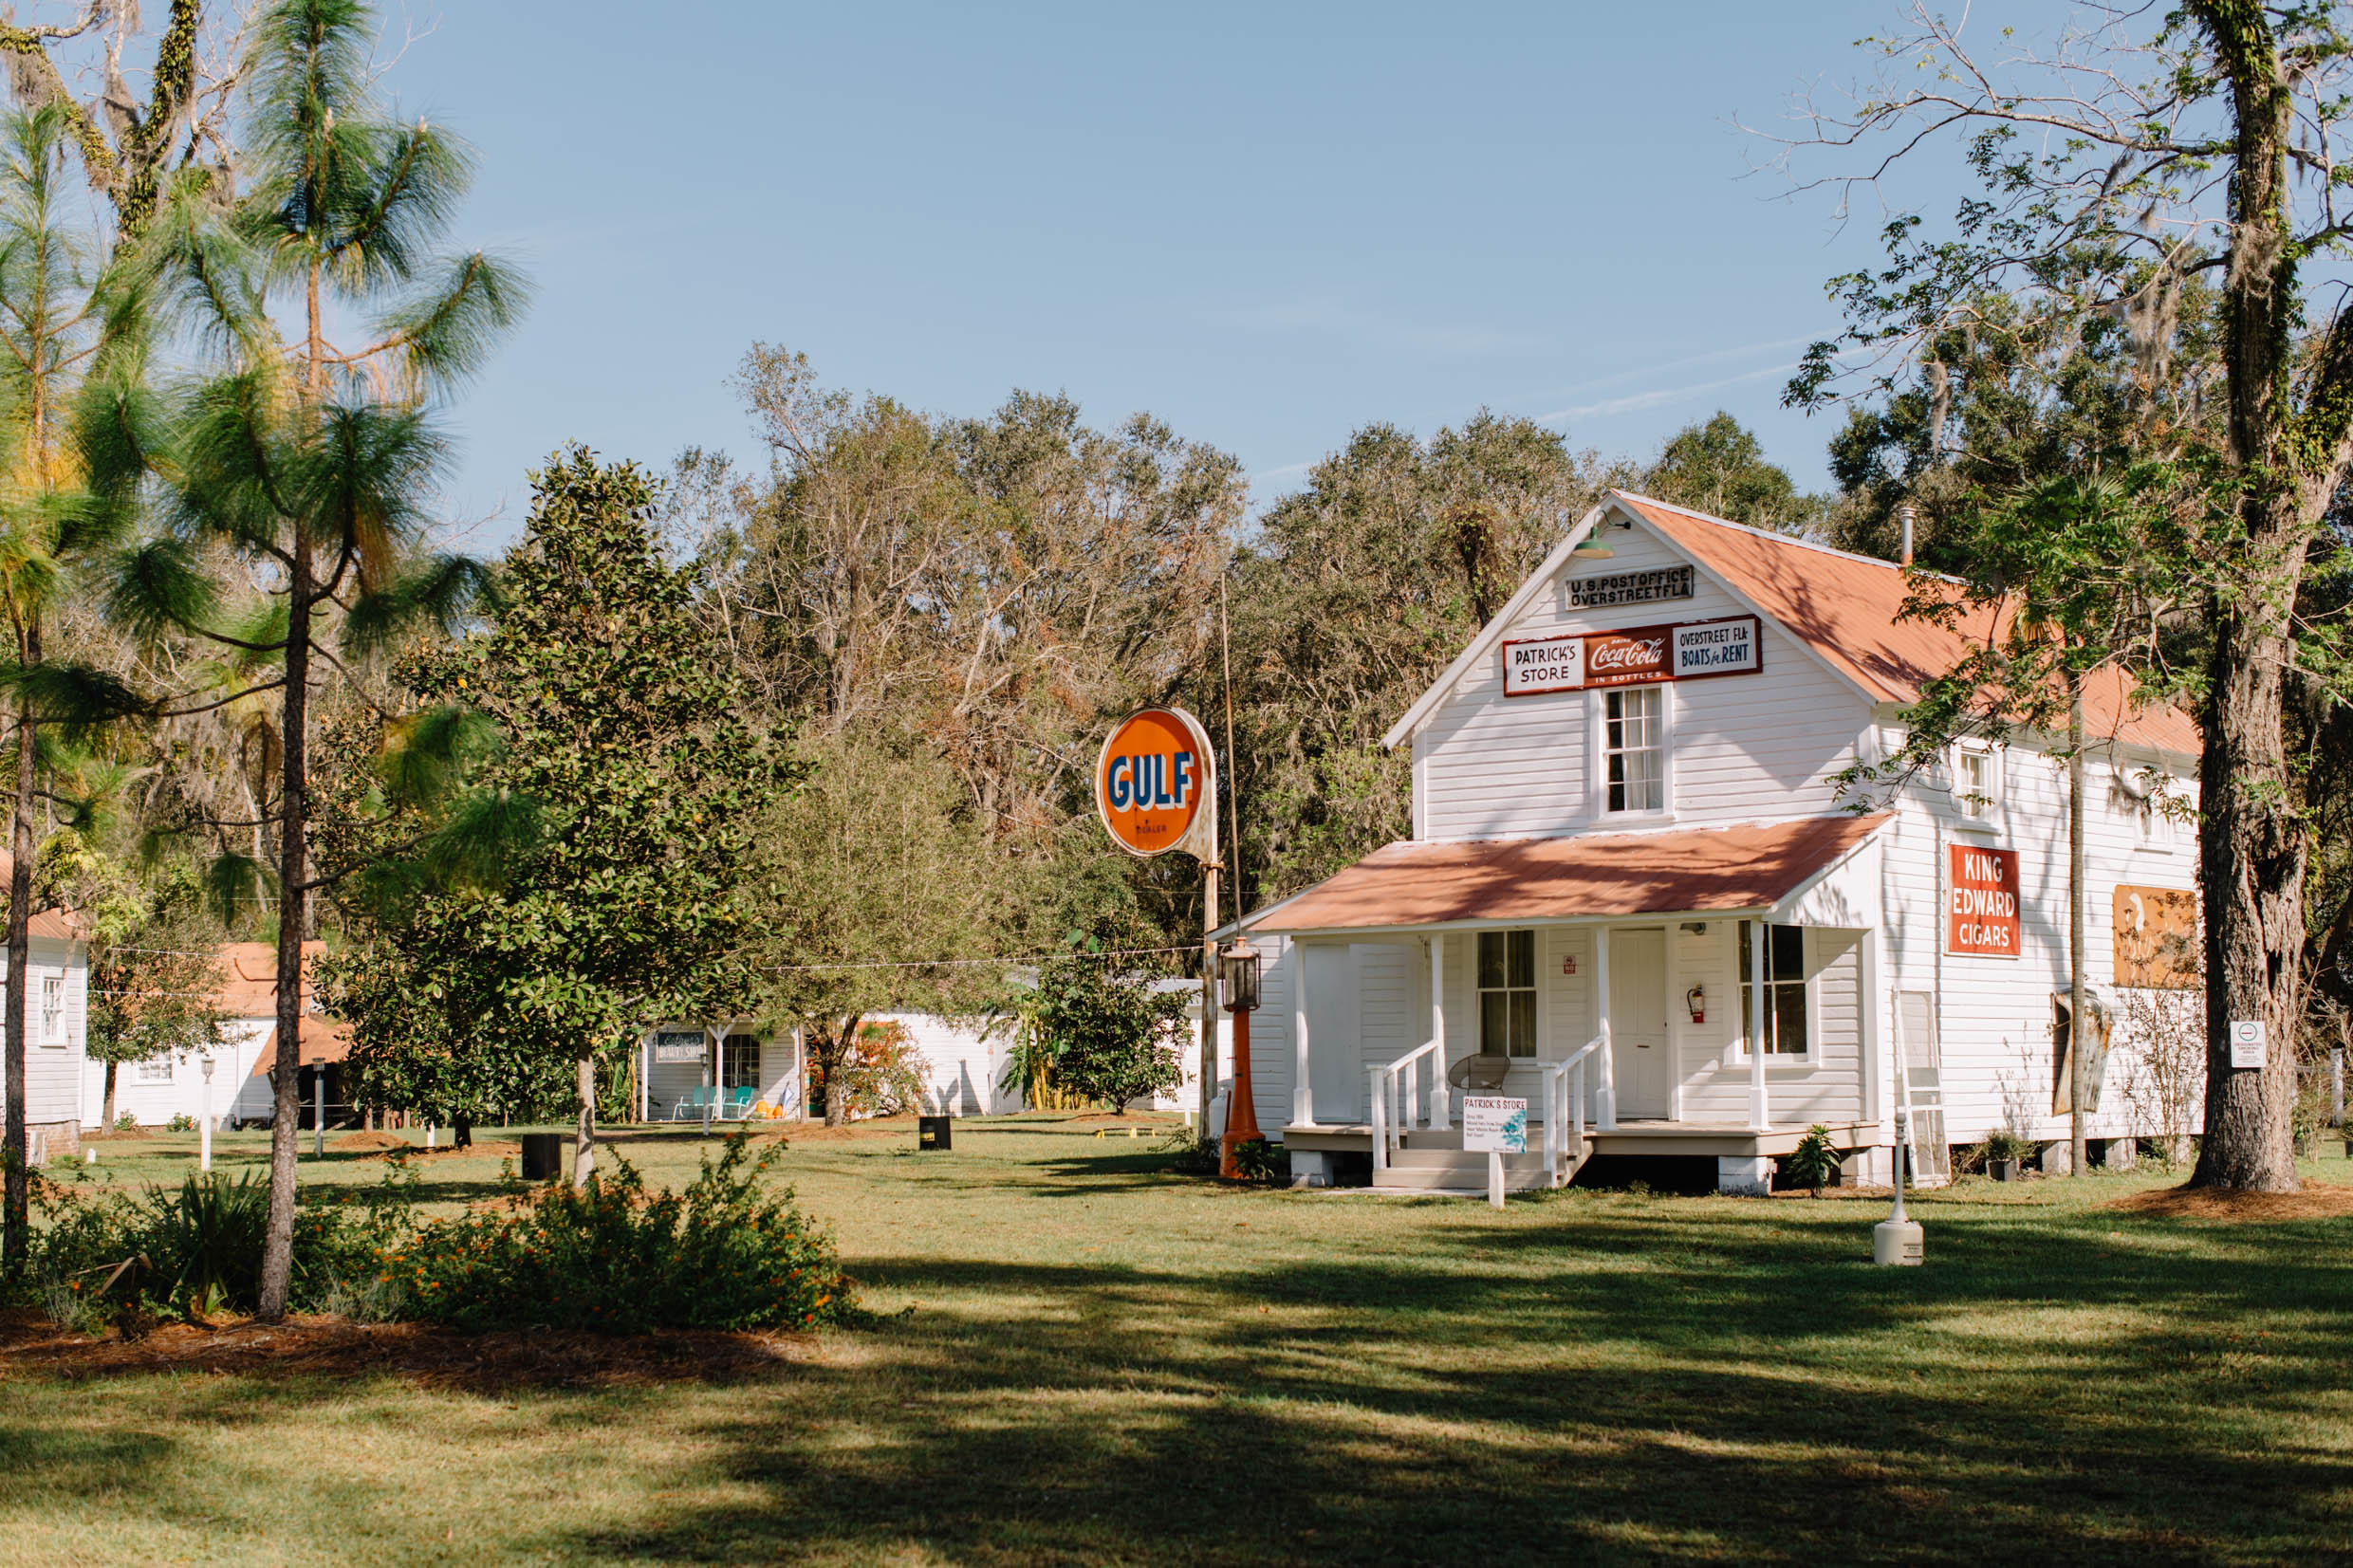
[{"x": 2005, "y": 1152}]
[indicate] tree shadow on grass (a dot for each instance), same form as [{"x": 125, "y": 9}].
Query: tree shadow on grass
[{"x": 1699, "y": 1394}]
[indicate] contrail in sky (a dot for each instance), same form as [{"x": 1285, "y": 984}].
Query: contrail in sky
[{"x": 1665, "y": 394}]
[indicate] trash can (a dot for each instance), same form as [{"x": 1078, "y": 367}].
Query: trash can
[
  {"x": 932, "y": 1132},
  {"x": 543, "y": 1156}
]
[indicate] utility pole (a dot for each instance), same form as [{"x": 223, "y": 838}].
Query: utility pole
[{"x": 2079, "y": 1019}]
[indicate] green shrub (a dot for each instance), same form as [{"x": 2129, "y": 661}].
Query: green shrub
[
  {"x": 1261, "y": 1161},
  {"x": 1815, "y": 1160},
  {"x": 724, "y": 1254},
  {"x": 2006, "y": 1145},
  {"x": 182, "y": 1122},
  {"x": 126, "y": 1123}
]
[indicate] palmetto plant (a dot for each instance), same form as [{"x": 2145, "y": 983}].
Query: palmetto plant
[{"x": 306, "y": 461}]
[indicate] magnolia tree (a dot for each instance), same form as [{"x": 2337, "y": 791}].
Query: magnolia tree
[{"x": 584, "y": 860}]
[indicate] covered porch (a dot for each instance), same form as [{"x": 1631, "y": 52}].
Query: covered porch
[{"x": 1616, "y": 982}]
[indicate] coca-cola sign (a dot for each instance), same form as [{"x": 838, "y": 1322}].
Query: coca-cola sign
[
  {"x": 1628, "y": 658},
  {"x": 1635, "y": 656}
]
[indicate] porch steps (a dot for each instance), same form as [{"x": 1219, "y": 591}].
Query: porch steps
[{"x": 1452, "y": 1171}]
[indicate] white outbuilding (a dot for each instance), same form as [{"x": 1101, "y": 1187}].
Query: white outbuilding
[{"x": 1638, "y": 895}]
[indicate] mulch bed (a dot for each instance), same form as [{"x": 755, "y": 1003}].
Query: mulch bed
[
  {"x": 431, "y": 1357},
  {"x": 2317, "y": 1201}
]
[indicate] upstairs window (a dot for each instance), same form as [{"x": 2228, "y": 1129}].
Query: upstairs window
[
  {"x": 1785, "y": 988},
  {"x": 1634, "y": 737},
  {"x": 1508, "y": 992},
  {"x": 1976, "y": 781},
  {"x": 52, "y": 1009}
]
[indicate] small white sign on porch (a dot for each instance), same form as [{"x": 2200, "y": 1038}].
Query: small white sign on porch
[
  {"x": 1493, "y": 1125},
  {"x": 676, "y": 1046},
  {"x": 2247, "y": 1043}
]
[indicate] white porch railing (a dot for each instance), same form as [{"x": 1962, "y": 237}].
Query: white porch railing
[
  {"x": 1564, "y": 1108},
  {"x": 1407, "y": 1095}
]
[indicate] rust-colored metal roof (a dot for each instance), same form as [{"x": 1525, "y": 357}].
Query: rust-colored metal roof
[
  {"x": 1694, "y": 871},
  {"x": 248, "y": 977},
  {"x": 1845, "y": 608},
  {"x": 320, "y": 1040},
  {"x": 61, "y": 925}
]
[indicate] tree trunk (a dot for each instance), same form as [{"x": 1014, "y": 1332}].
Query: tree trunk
[
  {"x": 584, "y": 1148},
  {"x": 106, "y": 1117},
  {"x": 2251, "y": 844},
  {"x": 461, "y": 1128},
  {"x": 293, "y": 901},
  {"x": 16, "y": 1223},
  {"x": 2251, "y": 864},
  {"x": 831, "y": 1060}
]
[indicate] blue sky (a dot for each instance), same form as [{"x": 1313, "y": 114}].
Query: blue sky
[{"x": 1267, "y": 225}]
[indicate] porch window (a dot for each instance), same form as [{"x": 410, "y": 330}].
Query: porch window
[
  {"x": 155, "y": 1069},
  {"x": 1636, "y": 738},
  {"x": 1785, "y": 988},
  {"x": 1508, "y": 992},
  {"x": 739, "y": 1063}
]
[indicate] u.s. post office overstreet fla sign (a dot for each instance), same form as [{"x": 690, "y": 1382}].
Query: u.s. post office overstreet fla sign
[
  {"x": 1156, "y": 785},
  {"x": 1698, "y": 650}
]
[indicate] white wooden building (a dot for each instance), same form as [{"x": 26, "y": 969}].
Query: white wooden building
[
  {"x": 171, "y": 1084},
  {"x": 56, "y": 1035},
  {"x": 961, "y": 1062},
  {"x": 1626, "y": 814}
]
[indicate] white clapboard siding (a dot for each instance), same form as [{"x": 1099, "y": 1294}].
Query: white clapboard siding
[
  {"x": 53, "y": 1060},
  {"x": 1825, "y": 1086},
  {"x": 1743, "y": 746},
  {"x": 1994, "y": 1015}
]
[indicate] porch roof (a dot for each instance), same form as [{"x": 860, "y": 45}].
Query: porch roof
[{"x": 1416, "y": 885}]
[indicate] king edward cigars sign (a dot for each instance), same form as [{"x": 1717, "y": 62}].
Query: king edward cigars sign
[{"x": 1637, "y": 655}]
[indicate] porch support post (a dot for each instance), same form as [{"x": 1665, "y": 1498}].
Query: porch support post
[
  {"x": 1606, "y": 1094},
  {"x": 1441, "y": 1106},
  {"x": 1303, "y": 1086},
  {"x": 1870, "y": 1006},
  {"x": 1759, "y": 934}
]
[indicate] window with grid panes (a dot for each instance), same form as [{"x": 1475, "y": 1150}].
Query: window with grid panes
[
  {"x": 739, "y": 1063},
  {"x": 1508, "y": 992},
  {"x": 1635, "y": 742},
  {"x": 1978, "y": 782},
  {"x": 1785, "y": 988}
]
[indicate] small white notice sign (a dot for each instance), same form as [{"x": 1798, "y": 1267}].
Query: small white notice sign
[
  {"x": 1493, "y": 1125},
  {"x": 2247, "y": 1043}
]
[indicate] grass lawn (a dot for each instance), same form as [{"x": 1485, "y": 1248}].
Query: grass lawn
[{"x": 1087, "y": 1360}]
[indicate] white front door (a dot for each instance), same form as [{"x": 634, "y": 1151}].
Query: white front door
[{"x": 1638, "y": 1021}]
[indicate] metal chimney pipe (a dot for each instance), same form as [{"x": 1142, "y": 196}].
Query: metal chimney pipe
[{"x": 1904, "y": 517}]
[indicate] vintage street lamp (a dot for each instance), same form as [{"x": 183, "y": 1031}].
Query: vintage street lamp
[{"x": 1237, "y": 971}]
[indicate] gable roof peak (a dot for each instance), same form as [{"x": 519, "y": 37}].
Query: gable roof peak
[{"x": 1634, "y": 501}]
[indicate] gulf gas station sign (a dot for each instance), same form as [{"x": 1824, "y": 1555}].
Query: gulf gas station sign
[{"x": 1156, "y": 783}]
